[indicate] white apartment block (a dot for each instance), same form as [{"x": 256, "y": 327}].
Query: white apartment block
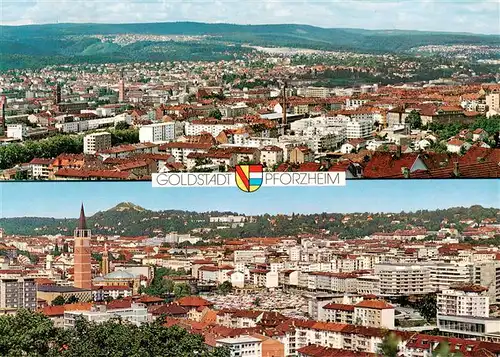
[
  {"x": 242, "y": 346},
  {"x": 93, "y": 143},
  {"x": 354, "y": 103},
  {"x": 444, "y": 275},
  {"x": 368, "y": 285},
  {"x": 493, "y": 102},
  {"x": 463, "y": 303},
  {"x": 17, "y": 131},
  {"x": 199, "y": 126},
  {"x": 157, "y": 133},
  {"x": 137, "y": 314},
  {"x": 249, "y": 256},
  {"x": 270, "y": 155},
  {"x": 464, "y": 313},
  {"x": 77, "y": 126},
  {"x": 403, "y": 279},
  {"x": 316, "y": 92}
]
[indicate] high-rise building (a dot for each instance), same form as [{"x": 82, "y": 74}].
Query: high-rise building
[
  {"x": 157, "y": 133},
  {"x": 57, "y": 94},
  {"x": 96, "y": 142},
  {"x": 82, "y": 265},
  {"x": 17, "y": 291}
]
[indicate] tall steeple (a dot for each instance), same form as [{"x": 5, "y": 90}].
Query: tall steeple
[
  {"x": 82, "y": 221},
  {"x": 82, "y": 277}
]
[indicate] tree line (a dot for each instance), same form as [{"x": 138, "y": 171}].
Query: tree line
[
  {"x": 19, "y": 153},
  {"x": 28, "y": 333}
]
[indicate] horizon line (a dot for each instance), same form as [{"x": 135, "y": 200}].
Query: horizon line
[
  {"x": 243, "y": 24},
  {"x": 259, "y": 214}
]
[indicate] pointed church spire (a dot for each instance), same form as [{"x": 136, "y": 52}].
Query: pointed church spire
[{"x": 82, "y": 222}]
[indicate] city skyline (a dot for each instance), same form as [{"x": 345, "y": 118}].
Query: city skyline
[
  {"x": 63, "y": 199},
  {"x": 425, "y": 15}
]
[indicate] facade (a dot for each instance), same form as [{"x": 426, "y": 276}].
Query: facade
[
  {"x": 82, "y": 265},
  {"x": 374, "y": 313},
  {"x": 444, "y": 275},
  {"x": 403, "y": 279},
  {"x": 17, "y": 291},
  {"x": 157, "y": 133},
  {"x": 465, "y": 312},
  {"x": 96, "y": 142},
  {"x": 487, "y": 274},
  {"x": 136, "y": 314},
  {"x": 241, "y": 346},
  {"x": 270, "y": 156}
]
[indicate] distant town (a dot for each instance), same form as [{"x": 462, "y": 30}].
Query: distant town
[
  {"x": 286, "y": 110},
  {"x": 423, "y": 279}
]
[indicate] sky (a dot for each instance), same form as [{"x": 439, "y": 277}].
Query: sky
[
  {"x": 63, "y": 199},
  {"x": 476, "y": 16}
]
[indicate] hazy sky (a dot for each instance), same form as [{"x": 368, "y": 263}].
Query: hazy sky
[
  {"x": 63, "y": 199},
  {"x": 479, "y": 16}
]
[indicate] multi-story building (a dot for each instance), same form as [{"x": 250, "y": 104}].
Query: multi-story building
[
  {"x": 316, "y": 92},
  {"x": 212, "y": 126},
  {"x": 40, "y": 168},
  {"x": 374, "y": 313},
  {"x": 17, "y": 291},
  {"x": 96, "y": 142},
  {"x": 403, "y": 279},
  {"x": 464, "y": 312},
  {"x": 157, "y": 133},
  {"x": 444, "y": 275},
  {"x": 180, "y": 150},
  {"x": 136, "y": 314},
  {"x": 270, "y": 155},
  {"x": 242, "y": 346},
  {"x": 487, "y": 274}
]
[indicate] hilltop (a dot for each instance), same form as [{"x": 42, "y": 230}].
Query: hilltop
[
  {"x": 127, "y": 206},
  {"x": 129, "y": 219},
  {"x": 39, "y": 45}
]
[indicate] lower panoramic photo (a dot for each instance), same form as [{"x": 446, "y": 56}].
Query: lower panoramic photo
[{"x": 377, "y": 268}]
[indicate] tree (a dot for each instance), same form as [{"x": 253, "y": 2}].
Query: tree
[
  {"x": 32, "y": 334},
  {"x": 427, "y": 306},
  {"x": 389, "y": 346},
  {"x": 27, "y": 334},
  {"x": 181, "y": 290},
  {"x": 225, "y": 288},
  {"x": 444, "y": 350},
  {"x": 414, "y": 119},
  {"x": 59, "y": 300},
  {"x": 72, "y": 299},
  {"x": 257, "y": 302},
  {"x": 215, "y": 113},
  {"x": 21, "y": 175},
  {"x": 122, "y": 125}
]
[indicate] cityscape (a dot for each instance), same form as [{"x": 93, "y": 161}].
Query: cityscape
[
  {"x": 222, "y": 95},
  {"x": 299, "y": 277},
  {"x": 260, "y": 178}
]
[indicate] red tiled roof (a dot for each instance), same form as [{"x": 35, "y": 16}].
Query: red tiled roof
[
  {"x": 374, "y": 304},
  {"x": 193, "y": 301}
]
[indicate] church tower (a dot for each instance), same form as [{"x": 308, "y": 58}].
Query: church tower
[
  {"x": 105, "y": 261},
  {"x": 82, "y": 264}
]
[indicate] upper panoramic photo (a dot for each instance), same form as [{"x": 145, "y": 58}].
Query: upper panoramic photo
[{"x": 371, "y": 89}]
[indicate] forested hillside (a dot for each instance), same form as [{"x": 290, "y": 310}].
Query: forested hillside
[{"x": 143, "y": 222}]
